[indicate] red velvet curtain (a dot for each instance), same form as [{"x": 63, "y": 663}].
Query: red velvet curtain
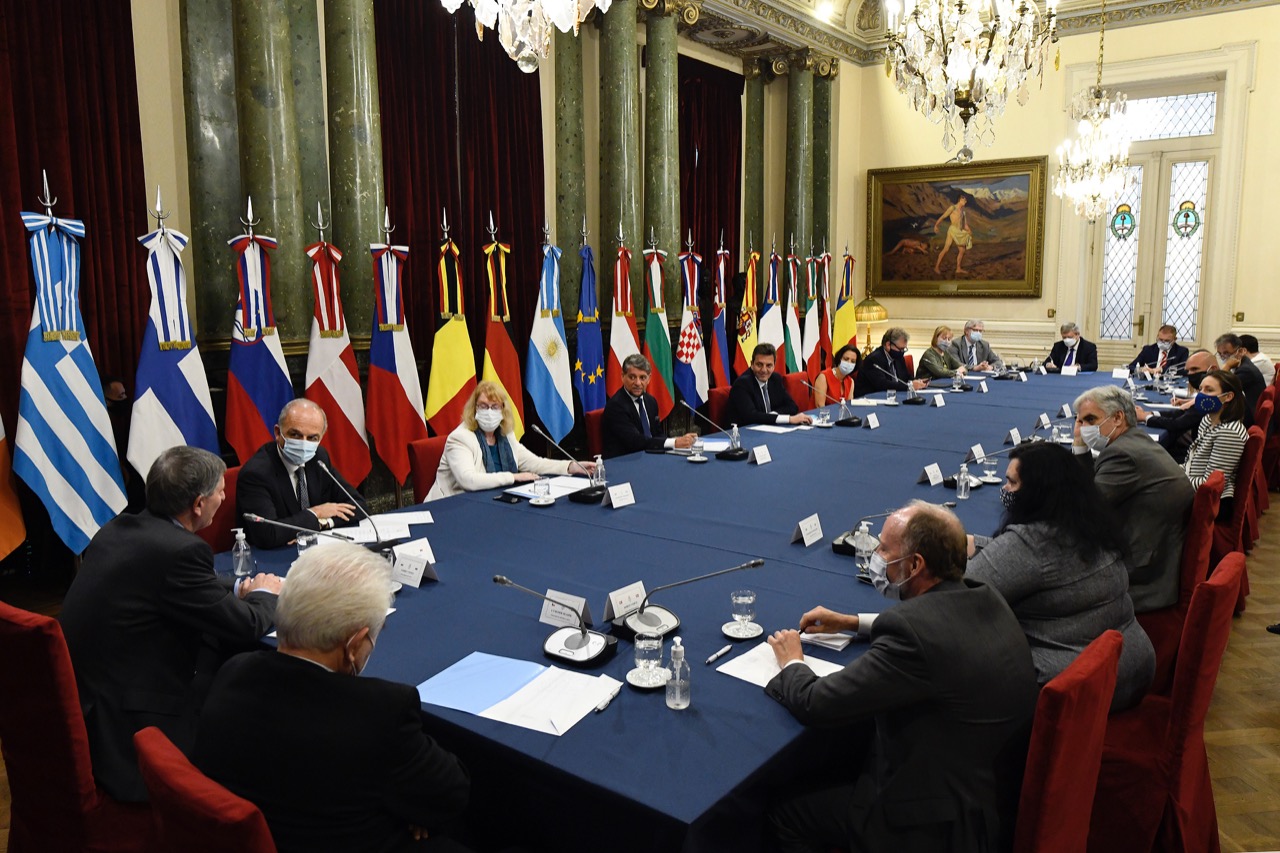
[
  {"x": 69, "y": 106},
  {"x": 462, "y": 131}
]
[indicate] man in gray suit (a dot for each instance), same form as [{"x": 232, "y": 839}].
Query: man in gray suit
[
  {"x": 974, "y": 352},
  {"x": 948, "y": 688},
  {"x": 1144, "y": 486}
]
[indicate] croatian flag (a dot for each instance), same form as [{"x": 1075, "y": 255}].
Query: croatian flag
[
  {"x": 394, "y": 411},
  {"x": 622, "y": 330},
  {"x": 691, "y": 361},
  {"x": 719, "y": 339},
  {"x": 547, "y": 371},
  {"x": 588, "y": 371}
]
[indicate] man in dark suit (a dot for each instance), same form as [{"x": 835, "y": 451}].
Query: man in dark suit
[
  {"x": 760, "y": 396},
  {"x": 148, "y": 622},
  {"x": 335, "y": 762},
  {"x": 287, "y": 481},
  {"x": 1148, "y": 492},
  {"x": 1232, "y": 356},
  {"x": 945, "y": 696},
  {"x": 1180, "y": 425},
  {"x": 1072, "y": 351},
  {"x": 630, "y": 420},
  {"x": 1165, "y": 354},
  {"x": 886, "y": 368}
]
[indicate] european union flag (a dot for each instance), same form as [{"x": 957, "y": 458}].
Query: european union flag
[{"x": 588, "y": 368}]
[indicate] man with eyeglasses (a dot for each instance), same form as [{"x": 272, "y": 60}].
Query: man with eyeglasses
[
  {"x": 886, "y": 368},
  {"x": 1233, "y": 356}
]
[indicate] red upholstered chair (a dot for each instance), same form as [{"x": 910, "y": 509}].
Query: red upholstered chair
[
  {"x": 1154, "y": 790},
  {"x": 1164, "y": 626},
  {"x": 798, "y": 390},
  {"x": 595, "y": 432},
  {"x": 1261, "y": 503},
  {"x": 718, "y": 405},
  {"x": 218, "y": 534},
  {"x": 1231, "y": 534},
  {"x": 911, "y": 363},
  {"x": 193, "y": 813},
  {"x": 1066, "y": 751},
  {"x": 424, "y": 461},
  {"x": 56, "y": 806}
]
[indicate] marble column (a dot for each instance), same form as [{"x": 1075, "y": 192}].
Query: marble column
[
  {"x": 355, "y": 150},
  {"x": 822, "y": 162},
  {"x": 571, "y": 173},
  {"x": 662, "y": 149},
  {"x": 753, "y": 160},
  {"x": 797, "y": 216},
  {"x": 270, "y": 162},
  {"x": 619, "y": 147}
]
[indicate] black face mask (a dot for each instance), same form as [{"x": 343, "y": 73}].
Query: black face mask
[{"x": 1193, "y": 380}]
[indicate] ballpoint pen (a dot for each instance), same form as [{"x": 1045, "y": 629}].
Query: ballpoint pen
[{"x": 719, "y": 654}]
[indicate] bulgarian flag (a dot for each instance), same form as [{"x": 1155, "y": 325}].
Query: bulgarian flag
[
  {"x": 453, "y": 366},
  {"x": 501, "y": 364},
  {"x": 657, "y": 340},
  {"x": 846, "y": 324},
  {"x": 794, "y": 342},
  {"x": 771, "y": 318},
  {"x": 623, "y": 340},
  {"x": 746, "y": 331},
  {"x": 719, "y": 347},
  {"x": 817, "y": 332}
]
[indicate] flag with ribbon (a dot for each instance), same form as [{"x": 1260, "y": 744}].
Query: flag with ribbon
[
  {"x": 719, "y": 347},
  {"x": 746, "y": 329},
  {"x": 333, "y": 380},
  {"x": 771, "y": 331},
  {"x": 12, "y": 529},
  {"x": 817, "y": 331},
  {"x": 845, "y": 320},
  {"x": 588, "y": 370},
  {"x": 691, "y": 361},
  {"x": 623, "y": 340},
  {"x": 394, "y": 410},
  {"x": 793, "y": 357},
  {"x": 453, "y": 365},
  {"x": 258, "y": 385},
  {"x": 64, "y": 449},
  {"x": 657, "y": 340},
  {"x": 172, "y": 405},
  {"x": 501, "y": 364},
  {"x": 547, "y": 367}
]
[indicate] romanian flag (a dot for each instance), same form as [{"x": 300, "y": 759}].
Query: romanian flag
[
  {"x": 588, "y": 370},
  {"x": 453, "y": 365},
  {"x": 623, "y": 340},
  {"x": 846, "y": 323},
  {"x": 394, "y": 407},
  {"x": 12, "y": 530},
  {"x": 501, "y": 364},
  {"x": 746, "y": 330},
  {"x": 657, "y": 340},
  {"x": 719, "y": 344},
  {"x": 794, "y": 358}
]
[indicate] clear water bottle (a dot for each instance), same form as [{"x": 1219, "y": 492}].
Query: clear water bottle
[
  {"x": 599, "y": 478},
  {"x": 845, "y": 414},
  {"x": 242, "y": 562},
  {"x": 678, "y": 684},
  {"x": 735, "y": 440},
  {"x": 962, "y": 483}
]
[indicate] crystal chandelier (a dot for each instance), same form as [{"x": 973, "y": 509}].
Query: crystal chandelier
[
  {"x": 1093, "y": 168},
  {"x": 524, "y": 26},
  {"x": 958, "y": 62}
]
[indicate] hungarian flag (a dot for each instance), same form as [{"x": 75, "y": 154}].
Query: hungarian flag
[
  {"x": 846, "y": 324},
  {"x": 719, "y": 347},
  {"x": 691, "y": 362},
  {"x": 771, "y": 317},
  {"x": 501, "y": 364},
  {"x": 657, "y": 340},
  {"x": 588, "y": 370},
  {"x": 333, "y": 380},
  {"x": 817, "y": 331},
  {"x": 746, "y": 330},
  {"x": 548, "y": 376},
  {"x": 794, "y": 357},
  {"x": 623, "y": 340},
  {"x": 395, "y": 393},
  {"x": 453, "y": 365},
  {"x": 13, "y": 532}
]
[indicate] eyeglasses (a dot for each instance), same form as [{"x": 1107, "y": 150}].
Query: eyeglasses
[{"x": 488, "y": 407}]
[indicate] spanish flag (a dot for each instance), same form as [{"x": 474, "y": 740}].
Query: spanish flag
[
  {"x": 453, "y": 366},
  {"x": 747, "y": 319},
  {"x": 501, "y": 364}
]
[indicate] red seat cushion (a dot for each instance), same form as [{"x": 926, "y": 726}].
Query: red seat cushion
[{"x": 424, "y": 461}]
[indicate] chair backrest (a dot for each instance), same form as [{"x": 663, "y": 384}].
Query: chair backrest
[
  {"x": 1065, "y": 753},
  {"x": 192, "y": 812},
  {"x": 424, "y": 461},
  {"x": 595, "y": 431},
  {"x": 1199, "y": 537},
  {"x": 218, "y": 534},
  {"x": 1266, "y": 408},
  {"x": 1230, "y": 531},
  {"x": 42, "y": 736},
  {"x": 718, "y": 405},
  {"x": 911, "y": 364},
  {"x": 797, "y": 389}
]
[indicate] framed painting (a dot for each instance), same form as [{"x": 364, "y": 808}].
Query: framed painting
[{"x": 975, "y": 230}]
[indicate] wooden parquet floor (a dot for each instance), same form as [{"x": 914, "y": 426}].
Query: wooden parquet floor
[{"x": 1242, "y": 730}]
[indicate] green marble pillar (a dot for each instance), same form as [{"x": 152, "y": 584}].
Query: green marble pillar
[
  {"x": 213, "y": 162},
  {"x": 822, "y": 162},
  {"x": 797, "y": 217},
  {"x": 753, "y": 161},
  {"x": 662, "y": 152},
  {"x": 571, "y": 173},
  {"x": 619, "y": 147},
  {"x": 270, "y": 162},
  {"x": 355, "y": 150}
]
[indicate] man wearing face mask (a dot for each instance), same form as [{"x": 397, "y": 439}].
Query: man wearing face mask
[
  {"x": 1180, "y": 426},
  {"x": 949, "y": 689},
  {"x": 1164, "y": 355},
  {"x": 1148, "y": 492},
  {"x": 973, "y": 350},
  {"x": 1072, "y": 351},
  {"x": 349, "y": 767},
  {"x": 1233, "y": 356},
  {"x": 286, "y": 481},
  {"x": 886, "y": 368}
]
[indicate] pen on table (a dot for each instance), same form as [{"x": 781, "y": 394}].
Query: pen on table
[
  {"x": 719, "y": 654},
  {"x": 609, "y": 698}
]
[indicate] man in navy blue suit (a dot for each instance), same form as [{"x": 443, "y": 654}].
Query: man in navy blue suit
[
  {"x": 1072, "y": 351},
  {"x": 1165, "y": 354}
]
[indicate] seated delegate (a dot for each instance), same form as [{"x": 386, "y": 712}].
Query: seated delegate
[
  {"x": 1165, "y": 354},
  {"x": 973, "y": 351},
  {"x": 1072, "y": 351},
  {"x": 760, "y": 396},
  {"x": 886, "y": 368},
  {"x": 630, "y": 420},
  {"x": 483, "y": 452},
  {"x": 1221, "y": 436},
  {"x": 1057, "y": 559},
  {"x": 838, "y": 380},
  {"x": 938, "y": 361}
]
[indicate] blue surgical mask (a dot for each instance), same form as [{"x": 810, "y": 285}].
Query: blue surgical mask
[
  {"x": 847, "y": 367},
  {"x": 1208, "y": 403},
  {"x": 879, "y": 571},
  {"x": 299, "y": 451},
  {"x": 975, "y": 336}
]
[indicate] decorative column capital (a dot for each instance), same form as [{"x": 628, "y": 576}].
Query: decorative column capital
[
  {"x": 688, "y": 11},
  {"x": 806, "y": 59},
  {"x": 750, "y": 69}
]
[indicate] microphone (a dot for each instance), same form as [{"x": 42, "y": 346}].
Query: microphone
[
  {"x": 913, "y": 398},
  {"x": 734, "y": 452},
  {"x": 848, "y": 421},
  {"x": 574, "y": 646},
  {"x": 380, "y": 543},
  {"x": 593, "y": 493},
  {"x": 659, "y": 620},
  {"x": 257, "y": 519}
]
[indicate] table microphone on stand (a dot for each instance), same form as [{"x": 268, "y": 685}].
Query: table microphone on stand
[
  {"x": 734, "y": 452},
  {"x": 257, "y": 519},
  {"x": 659, "y": 620},
  {"x": 574, "y": 646},
  {"x": 849, "y": 421},
  {"x": 592, "y": 494},
  {"x": 381, "y": 543},
  {"x": 913, "y": 399}
]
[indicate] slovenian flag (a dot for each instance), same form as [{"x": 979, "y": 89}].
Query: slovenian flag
[{"x": 719, "y": 347}]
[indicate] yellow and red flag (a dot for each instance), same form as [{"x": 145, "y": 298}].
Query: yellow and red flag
[
  {"x": 453, "y": 365},
  {"x": 501, "y": 364}
]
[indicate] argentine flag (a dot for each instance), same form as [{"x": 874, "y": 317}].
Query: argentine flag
[{"x": 547, "y": 374}]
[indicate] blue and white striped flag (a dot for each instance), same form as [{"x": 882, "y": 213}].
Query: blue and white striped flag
[
  {"x": 547, "y": 375},
  {"x": 172, "y": 405},
  {"x": 63, "y": 447}
]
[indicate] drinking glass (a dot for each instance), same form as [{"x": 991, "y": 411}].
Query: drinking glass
[
  {"x": 542, "y": 488},
  {"x": 824, "y": 415},
  {"x": 649, "y": 659},
  {"x": 307, "y": 540},
  {"x": 989, "y": 467},
  {"x": 891, "y": 396},
  {"x": 743, "y": 606}
]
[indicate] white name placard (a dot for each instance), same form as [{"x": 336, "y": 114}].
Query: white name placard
[
  {"x": 413, "y": 562},
  {"x": 1120, "y": 373},
  {"x": 975, "y": 453},
  {"x": 1065, "y": 411},
  {"x": 938, "y": 401},
  {"x": 565, "y": 613},
  {"x": 619, "y": 496},
  {"x": 872, "y": 421},
  {"x": 1014, "y": 437},
  {"x": 931, "y": 474},
  {"x": 760, "y": 455},
  {"x": 982, "y": 387},
  {"x": 1070, "y": 369},
  {"x": 1128, "y": 382},
  {"x": 624, "y": 600},
  {"x": 1022, "y": 375},
  {"x": 808, "y": 531},
  {"x": 1041, "y": 370}
]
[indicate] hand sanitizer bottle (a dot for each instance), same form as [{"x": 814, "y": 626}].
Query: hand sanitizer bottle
[
  {"x": 242, "y": 562},
  {"x": 962, "y": 483},
  {"x": 678, "y": 685},
  {"x": 599, "y": 479}
]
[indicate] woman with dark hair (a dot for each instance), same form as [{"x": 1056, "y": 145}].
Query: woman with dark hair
[
  {"x": 1221, "y": 436},
  {"x": 1056, "y": 559},
  {"x": 837, "y": 380}
]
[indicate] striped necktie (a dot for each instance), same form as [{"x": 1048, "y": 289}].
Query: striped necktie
[{"x": 303, "y": 498}]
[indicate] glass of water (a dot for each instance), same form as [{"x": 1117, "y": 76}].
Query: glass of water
[
  {"x": 743, "y": 606},
  {"x": 989, "y": 468},
  {"x": 891, "y": 396},
  {"x": 542, "y": 488},
  {"x": 649, "y": 671},
  {"x": 307, "y": 540}
]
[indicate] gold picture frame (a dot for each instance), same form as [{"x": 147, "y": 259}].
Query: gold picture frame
[{"x": 917, "y": 224}]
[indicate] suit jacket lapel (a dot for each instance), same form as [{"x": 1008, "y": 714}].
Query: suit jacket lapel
[{"x": 285, "y": 483}]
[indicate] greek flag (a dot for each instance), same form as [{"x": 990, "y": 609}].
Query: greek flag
[
  {"x": 64, "y": 449},
  {"x": 172, "y": 405},
  {"x": 547, "y": 375}
]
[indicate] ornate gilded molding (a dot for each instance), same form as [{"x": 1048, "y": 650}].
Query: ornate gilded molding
[
  {"x": 750, "y": 69},
  {"x": 687, "y": 10}
]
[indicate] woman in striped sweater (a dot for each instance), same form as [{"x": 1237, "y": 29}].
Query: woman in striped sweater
[{"x": 1220, "y": 438}]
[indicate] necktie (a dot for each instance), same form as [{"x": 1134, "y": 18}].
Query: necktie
[
  {"x": 764, "y": 392},
  {"x": 1160, "y": 363},
  {"x": 973, "y": 355},
  {"x": 1071, "y": 357},
  {"x": 644, "y": 417},
  {"x": 303, "y": 498}
]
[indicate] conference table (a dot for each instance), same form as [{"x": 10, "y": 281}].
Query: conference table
[{"x": 639, "y": 776}]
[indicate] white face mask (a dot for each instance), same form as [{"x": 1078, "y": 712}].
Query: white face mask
[
  {"x": 847, "y": 367},
  {"x": 1071, "y": 342},
  {"x": 944, "y": 342},
  {"x": 1164, "y": 346},
  {"x": 1091, "y": 435},
  {"x": 879, "y": 571},
  {"x": 488, "y": 419},
  {"x": 975, "y": 336},
  {"x": 300, "y": 451}
]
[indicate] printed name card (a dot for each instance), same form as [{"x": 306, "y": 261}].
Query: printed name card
[
  {"x": 413, "y": 562},
  {"x": 1065, "y": 411},
  {"x": 1128, "y": 383},
  {"x": 760, "y": 455},
  {"x": 1043, "y": 421},
  {"x": 872, "y": 421},
  {"x": 1022, "y": 375},
  {"x": 623, "y": 601},
  {"x": 619, "y": 496},
  {"x": 808, "y": 531},
  {"x": 1120, "y": 373},
  {"x": 938, "y": 401},
  {"x": 1013, "y": 437},
  {"x": 1070, "y": 369},
  {"x": 982, "y": 387},
  {"x": 931, "y": 473},
  {"x": 1041, "y": 369},
  {"x": 563, "y": 609},
  {"x": 975, "y": 453}
]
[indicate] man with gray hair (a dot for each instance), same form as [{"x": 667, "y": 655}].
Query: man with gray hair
[
  {"x": 630, "y": 420},
  {"x": 973, "y": 351},
  {"x": 1072, "y": 351},
  {"x": 1146, "y": 489},
  {"x": 292, "y": 480},
  {"x": 348, "y": 767},
  {"x": 147, "y": 620},
  {"x": 886, "y": 368}
]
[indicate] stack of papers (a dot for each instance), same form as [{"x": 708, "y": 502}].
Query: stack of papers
[
  {"x": 560, "y": 487},
  {"x": 774, "y": 428},
  {"x": 759, "y": 666},
  {"x": 839, "y": 642}
]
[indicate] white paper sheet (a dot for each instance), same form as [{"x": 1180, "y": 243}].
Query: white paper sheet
[
  {"x": 773, "y": 428},
  {"x": 417, "y": 516},
  {"x": 758, "y": 666},
  {"x": 1162, "y": 407},
  {"x": 839, "y": 642},
  {"x": 554, "y": 701},
  {"x": 714, "y": 445},
  {"x": 560, "y": 487}
]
